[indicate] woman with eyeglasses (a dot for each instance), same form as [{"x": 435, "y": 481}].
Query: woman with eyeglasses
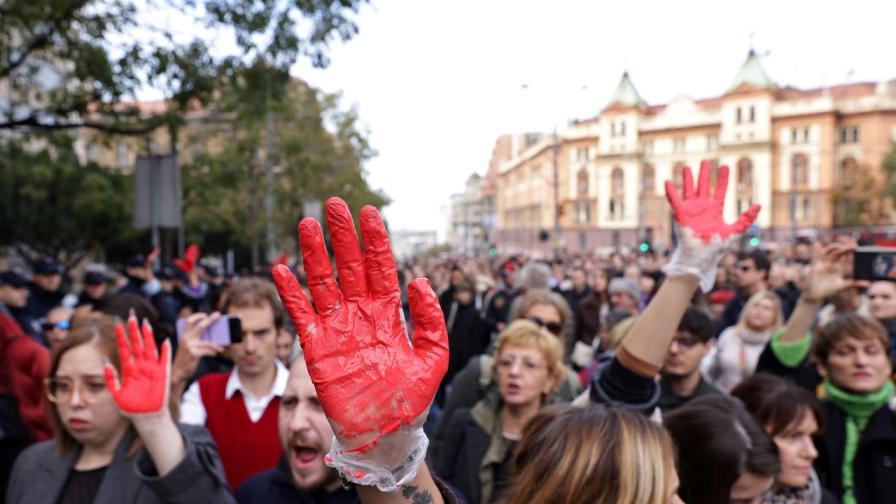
[
  {"x": 115, "y": 439},
  {"x": 479, "y": 442},
  {"x": 541, "y": 307}
]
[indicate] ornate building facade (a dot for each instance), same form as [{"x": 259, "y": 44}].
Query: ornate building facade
[{"x": 803, "y": 154}]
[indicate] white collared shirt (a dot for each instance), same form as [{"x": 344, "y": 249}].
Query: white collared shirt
[{"x": 192, "y": 410}]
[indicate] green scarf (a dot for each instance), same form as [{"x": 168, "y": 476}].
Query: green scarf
[{"x": 858, "y": 409}]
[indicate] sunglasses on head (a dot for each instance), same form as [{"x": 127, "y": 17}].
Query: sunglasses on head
[{"x": 552, "y": 327}]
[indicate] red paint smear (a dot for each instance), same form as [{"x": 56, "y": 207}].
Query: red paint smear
[
  {"x": 702, "y": 211},
  {"x": 369, "y": 379}
]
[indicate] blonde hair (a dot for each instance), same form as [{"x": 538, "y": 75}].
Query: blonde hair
[
  {"x": 525, "y": 333},
  {"x": 756, "y": 298},
  {"x": 571, "y": 455}
]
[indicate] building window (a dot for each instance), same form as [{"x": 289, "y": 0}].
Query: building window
[
  {"x": 583, "y": 212},
  {"x": 617, "y": 194},
  {"x": 855, "y": 135},
  {"x": 679, "y": 145},
  {"x": 622, "y": 128},
  {"x": 738, "y": 115},
  {"x": 582, "y": 183},
  {"x": 677, "y": 170},
  {"x": 648, "y": 179},
  {"x": 846, "y": 172},
  {"x": 800, "y": 169},
  {"x": 744, "y": 184},
  {"x": 794, "y": 136},
  {"x": 752, "y": 113},
  {"x": 806, "y": 135},
  {"x": 849, "y": 135},
  {"x": 612, "y": 129},
  {"x": 844, "y": 135}
]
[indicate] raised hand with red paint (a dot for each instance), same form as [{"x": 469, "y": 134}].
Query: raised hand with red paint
[
  {"x": 145, "y": 375},
  {"x": 191, "y": 257},
  {"x": 703, "y": 233},
  {"x": 374, "y": 384}
]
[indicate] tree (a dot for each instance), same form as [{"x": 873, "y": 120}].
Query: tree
[
  {"x": 77, "y": 63},
  {"x": 60, "y": 208},
  {"x": 889, "y": 165},
  {"x": 860, "y": 199},
  {"x": 315, "y": 149}
]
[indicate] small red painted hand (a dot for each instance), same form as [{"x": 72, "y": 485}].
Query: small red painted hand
[
  {"x": 191, "y": 257},
  {"x": 702, "y": 212},
  {"x": 371, "y": 380},
  {"x": 145, "y": 375},
  {"x": 703, "y": 234}
]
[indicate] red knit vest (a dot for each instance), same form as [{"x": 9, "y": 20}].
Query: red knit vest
[{"x": 246, "y": 448}]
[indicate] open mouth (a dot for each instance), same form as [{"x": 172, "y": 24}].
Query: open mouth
[
  {"x": 304, "y": 456},
  {"x": 513, "y": 388}
]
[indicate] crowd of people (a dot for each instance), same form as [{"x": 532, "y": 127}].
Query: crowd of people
[{"x": 710, "y": 374}]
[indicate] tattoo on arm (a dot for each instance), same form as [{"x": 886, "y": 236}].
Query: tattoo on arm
[{"x": 414, "y": 495}]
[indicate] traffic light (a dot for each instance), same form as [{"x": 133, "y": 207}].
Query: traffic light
[
  {"x": 493, "y": 250},
  {"x": 754, "y": 241},
  {"x": 645, "y": 247}
]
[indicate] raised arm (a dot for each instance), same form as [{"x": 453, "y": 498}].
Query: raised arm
[
  {"x": 375, "y": 385},
  {"x": 703, "y": 237}
]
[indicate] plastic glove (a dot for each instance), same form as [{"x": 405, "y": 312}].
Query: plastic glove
[
  {"x": 145, "y": 375},
  {"x": 191, "y": 257},
  {"x": 703, "y": 234},
  {"x": 373, "y": 384}
]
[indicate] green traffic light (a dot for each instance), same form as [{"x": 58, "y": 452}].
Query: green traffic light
[
  {"x": 754, "y": 241},
  {"x": 493, "y": 251},
  {"x": 645, "y": 246}
]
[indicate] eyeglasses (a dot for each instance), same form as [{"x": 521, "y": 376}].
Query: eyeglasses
[
  {"x": 62, "y": 325},
  {"x": 60, "y": 390},
  {"x": 552, "y": 327}
]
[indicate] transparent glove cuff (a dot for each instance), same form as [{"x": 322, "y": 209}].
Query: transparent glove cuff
[
  {"x": 696, "y": 258},
  {"x": 392, "y": 462}
]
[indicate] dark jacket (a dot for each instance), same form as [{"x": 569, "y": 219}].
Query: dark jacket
[
  {"x": 467, "y": 337},
  {"x": 874, "y": 466},
  {"x": 41, "y": 301},
  {"x": 40, "y": 475},
  {"x": 473, "y": 382},
  {"x": 804, "y": 374},
  {"x": 669, "y": 400},
  {"x": 275, "y": 486},
  {"x": 476, "y": 456}
]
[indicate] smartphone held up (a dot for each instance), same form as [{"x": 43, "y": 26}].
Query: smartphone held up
[{"x": 225, "y": 331}]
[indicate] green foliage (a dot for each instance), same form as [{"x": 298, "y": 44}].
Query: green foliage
[
  {"x": 51, "y": 203},
  {"x": 889, "y": 165},
  {"x": 73, "y": 63},
  {"x": 317, "y": 152}
]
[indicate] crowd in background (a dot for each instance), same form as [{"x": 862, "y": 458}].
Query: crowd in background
[{"x": 812, "y": 412}]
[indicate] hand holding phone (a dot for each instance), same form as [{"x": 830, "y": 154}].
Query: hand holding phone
[
  {"x": 875, "y": 263},
  {"x": 195, "y": 342}
]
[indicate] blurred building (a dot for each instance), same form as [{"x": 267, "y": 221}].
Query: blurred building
[
  {"x": 808, "y": 156},
  {"x": 467, "y": 234},
  {"x": 407, "y": 245}
]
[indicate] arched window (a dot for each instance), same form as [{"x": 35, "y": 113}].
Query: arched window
[
  {"x": 847, "y": 171},
  {"x": 582, "y": 183},
  {"x": 800, "y": 165},
  {"x": 648, "y": 179},
  {"x": 617, "y": 194},
  {"x": 744, "y": 195}
]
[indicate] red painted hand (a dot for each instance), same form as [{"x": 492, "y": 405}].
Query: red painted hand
[
  {"x": 145, "y": 375},
  {"x": 191, "y": 257},
  {"x": 369, "y": 378},
  {"x": 702, "y": 213}
]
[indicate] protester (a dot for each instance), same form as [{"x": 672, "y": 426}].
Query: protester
[
  {"x": 14, "y": 296},
  {"x": 625, "y": 295},
  {"x": 578, "y": 289},
  {"x": 479, "y": 442},
  {"x": 46, "y": 288},
  {"x": 851, "y": 354},
  {"x": 544, "y": 308},
  {"x": 793, "y": 418},
  {"x": 115, "y": 439},
  {"x": 736, "y": 353},
  {"x": 593, "y": 455},
  {"x": 681, "y": 377},
  {"x": 750, "y": 277},
  {"x": 55, "y": 325},
  {"x": 723, "y": 454},
  {"x": 95, "y": 288},
  {"x": 239, "y": 407},
  {"x": 592, "y": 310},
  {"x": 468, "y": 335},
  {"x": 882, "y": 306}
]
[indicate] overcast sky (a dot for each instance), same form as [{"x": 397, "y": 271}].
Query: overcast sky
[{"x": 437, "y": 82}]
